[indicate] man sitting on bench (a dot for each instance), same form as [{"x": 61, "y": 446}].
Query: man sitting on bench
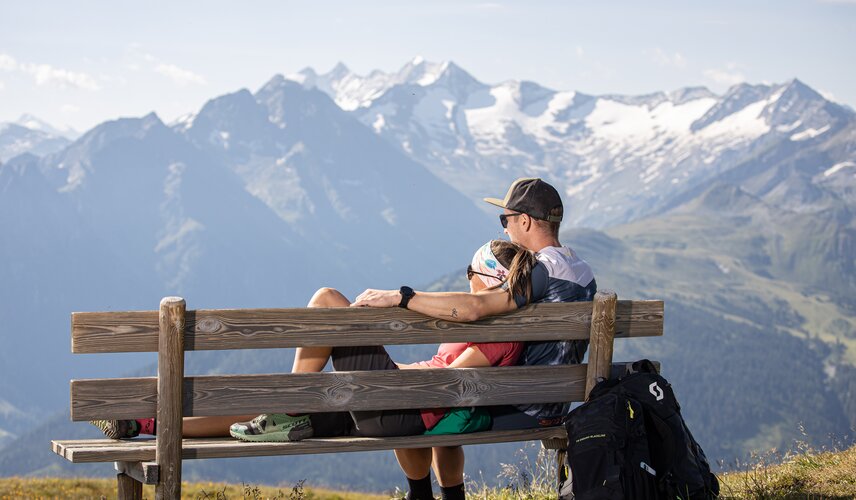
[{"x": 532, "y": 212}]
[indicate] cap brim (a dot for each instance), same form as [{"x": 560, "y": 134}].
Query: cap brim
[{"x": 495, "y": 201}]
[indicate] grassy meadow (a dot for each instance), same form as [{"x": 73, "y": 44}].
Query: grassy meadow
[
  {"x": 804, "y": 475},
  {"x": 88, "y": 488}
]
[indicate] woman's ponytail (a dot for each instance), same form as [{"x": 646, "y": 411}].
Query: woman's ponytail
[{"x": 519, "y": 279}]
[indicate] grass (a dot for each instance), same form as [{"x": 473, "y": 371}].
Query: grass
[
  {"x": 802, "y": 474},
  {"x": 805, "y": 474},
  {"x": 85, "y": 488}
]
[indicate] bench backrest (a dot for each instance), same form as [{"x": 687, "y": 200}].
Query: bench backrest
[
  {"x": 173, "y": 330},
  {"x": 177, "y": 330}
]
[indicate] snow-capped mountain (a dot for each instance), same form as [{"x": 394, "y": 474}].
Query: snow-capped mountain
[
  {"x": 36, "y": 123},
  {"x": 31, "y": 135},
  {"x": 615, "y": 157},
  {"x": 352, "y": 91}
]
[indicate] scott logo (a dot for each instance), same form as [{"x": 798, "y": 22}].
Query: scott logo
[{"x": 655, "y": 391}]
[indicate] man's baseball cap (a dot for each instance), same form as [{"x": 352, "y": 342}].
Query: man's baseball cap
[{"x": 531, "y": 196}]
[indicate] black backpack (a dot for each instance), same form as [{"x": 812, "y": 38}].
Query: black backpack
[{"x": 629, "y": 441}]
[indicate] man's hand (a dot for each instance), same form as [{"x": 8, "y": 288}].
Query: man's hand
[{"x": 378, "y": 298}]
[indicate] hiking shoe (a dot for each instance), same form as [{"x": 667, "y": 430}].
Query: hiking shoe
[
  {"x": 273, "y": 427},
  {"x": 118, "y": 429}
]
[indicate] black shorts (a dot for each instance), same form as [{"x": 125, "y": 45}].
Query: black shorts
[
  {"x": 509, "y": 417},
  {"x": 381, "y": 423}
]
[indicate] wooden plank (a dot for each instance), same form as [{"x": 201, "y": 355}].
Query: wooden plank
[
  {"x": 144, "y": 472},
  {"x": 217, "y": 329},
  {"x": 128, "y": 488},
  {"x": 99, "y": 397},
  {"x": 332, "y": 391},
  {"x": 170, "y": 396},
  {"x": 105, "y": 450},
  {"x": 602, "y": 334},
  {"x": 554, "y": 443},
  {"x": 66, "y": 448},
  {"x": 137, "y": 397}
]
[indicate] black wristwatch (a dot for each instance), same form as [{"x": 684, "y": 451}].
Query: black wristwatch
[{"x": 407, "y": 293}]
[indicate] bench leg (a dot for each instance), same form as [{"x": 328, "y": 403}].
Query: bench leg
[{"x": 129, "y": 488}]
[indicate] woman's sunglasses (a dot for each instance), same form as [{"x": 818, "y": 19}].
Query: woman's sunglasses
[
  {"x": 471, "y": 272},
  {"x": 503, "y": 219}
]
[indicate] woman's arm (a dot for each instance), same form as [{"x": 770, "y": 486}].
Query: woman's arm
[
  {"x": 472, "y": 357},
  {"x": 453, "y": 306}
]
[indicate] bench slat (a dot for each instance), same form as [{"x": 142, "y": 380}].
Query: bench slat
[
  {"x": 218, "y": 329},
  {"x": 130, "y": 398},
  {"x": 106, "y": 450}
]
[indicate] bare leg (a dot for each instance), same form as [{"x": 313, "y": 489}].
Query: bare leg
[
  {"x": 313, "y": 359},
  {"x": 415, "y": 462},
  {"x": 449, "y": 465},
  {"x": 196, "y": 427}
]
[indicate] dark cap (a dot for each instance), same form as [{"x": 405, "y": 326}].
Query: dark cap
[{"x": 531, "y": 196}]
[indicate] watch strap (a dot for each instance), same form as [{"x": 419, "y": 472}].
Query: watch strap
[{"x": 407, "y": 293}]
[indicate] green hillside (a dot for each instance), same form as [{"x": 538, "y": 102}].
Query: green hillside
[
  {"x": 760, "y": 331},
  {"x": 799, "y": 270}
]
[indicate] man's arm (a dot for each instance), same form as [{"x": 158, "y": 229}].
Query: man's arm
[{"x": 452, "y": 306}]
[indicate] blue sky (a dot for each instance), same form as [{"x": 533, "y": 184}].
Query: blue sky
[{"x": 80, "y": 63}]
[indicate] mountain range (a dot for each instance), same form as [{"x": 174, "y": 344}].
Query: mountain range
[
  {"x": 737, "y": 209},
  {"x": 618, "y": 158},
  {"x": 29, "y": 134}
]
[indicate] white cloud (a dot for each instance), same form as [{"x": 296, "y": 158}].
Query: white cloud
[
  {"x": 45, "y": 74},
  {"x": 730, "y": 75},
  {"x": 180, "y": 76},
  {"x": 2, "y": 85},
  {"x": 138, "y": 59},
  {"x": 664, "y": 59},
  {"x": 69, "y": 108},
  {"x": 580, "y": 52},
  {"x": 8, "y": 63}
]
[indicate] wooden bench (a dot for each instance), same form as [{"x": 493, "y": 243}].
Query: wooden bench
[{"x": 169, "y": 396}]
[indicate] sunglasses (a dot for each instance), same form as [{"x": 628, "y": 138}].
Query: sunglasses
[
  {"x": 471, "y": 272},
  {"x": 503, "y": 219}
]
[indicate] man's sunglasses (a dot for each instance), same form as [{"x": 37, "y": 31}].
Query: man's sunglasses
[
  {"x": 503, "y": 219},
  {"x": 471, "y": 272}
]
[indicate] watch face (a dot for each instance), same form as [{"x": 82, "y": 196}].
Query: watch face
[{"x": 406, "y": 294}]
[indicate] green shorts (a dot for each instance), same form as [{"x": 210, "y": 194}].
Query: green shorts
[{"x": 462, "y": 421}]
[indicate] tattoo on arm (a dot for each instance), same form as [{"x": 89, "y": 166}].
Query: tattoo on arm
[{"x": 454, "y": 312}]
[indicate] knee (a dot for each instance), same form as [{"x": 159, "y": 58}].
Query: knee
[{"x": 328, "y": 297}]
